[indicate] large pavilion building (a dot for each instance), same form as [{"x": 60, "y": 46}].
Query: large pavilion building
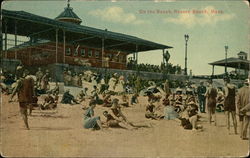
[
  {"x": 240, "y": 64},
  {"x": 63, "y": 41}
]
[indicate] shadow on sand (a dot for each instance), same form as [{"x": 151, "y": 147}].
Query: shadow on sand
[
  {"x": 50, "y": 116},
  {"x": 50, "y": 128}
]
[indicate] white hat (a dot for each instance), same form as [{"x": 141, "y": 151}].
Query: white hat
[
  {"x": 247, "y": 81},
  {"x": 178, "y": 89}
]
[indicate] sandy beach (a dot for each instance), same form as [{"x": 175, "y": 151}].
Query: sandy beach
[{"x": 60, "y": 134}]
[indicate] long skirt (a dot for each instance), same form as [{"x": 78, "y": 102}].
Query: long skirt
[{"x": 91, "y": 123}]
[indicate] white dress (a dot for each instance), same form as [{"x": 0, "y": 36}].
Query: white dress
[
  {"x": 120, "y": 86},
  {"x": 112, "y": 82}
]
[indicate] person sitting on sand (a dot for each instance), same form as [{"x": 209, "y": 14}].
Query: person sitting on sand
[
  {"x": 152, "y": 97},
  {"x": 81, "y": 96},
  {"x": 169, "y": 110},
  {"x": 134, "y": 99},
  {"x": 192, "y": 113},
  {"x": 55, "y": 90},
  {"x": 189, "y": 117},
  {"x": 49, "y": 103},
  {"x": 107, "y": 102},
  {"x": 68, "y": 98},
  {"x": 91, "y": 121},
  {"x": 178, "y": 106},
  {"x": 150, "y": 111},
  {"x": 110, "y": 120},
  {"x": 116, "y": 109},
  {"x": 166, "y": 100},
  {"x": 113, "y": 122},
  {"x": 124, "y": 101},
  {"x": 190, "y": 98}
]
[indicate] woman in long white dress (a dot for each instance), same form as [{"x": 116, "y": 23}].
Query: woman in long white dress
[
  {"x": 119, "y": 88},
  {"x": 112, "y": 83}
]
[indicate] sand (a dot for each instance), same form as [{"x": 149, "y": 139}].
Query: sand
[{"x": 59, "y": 133}]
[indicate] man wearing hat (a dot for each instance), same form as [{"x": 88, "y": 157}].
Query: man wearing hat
[
  {"x": 110, "y": 120},
  {"x": 25, "y": 92},
  {"x": 19, "y": 71},
  {"x": 211, "y": 95},
  {"x": 201, "y": 90},
  {"x": 167, "y": 88},
  {"x": 192, "y": 113},
  {"x": 45, "y": 82},
  {"x": 242, "y": 105},
  {"x": 39, "y": 75},
  {"x": 68, "y": 98}
]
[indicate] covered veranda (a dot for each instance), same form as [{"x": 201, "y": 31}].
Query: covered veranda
[
  {"x": 35, "y": 27},
  {"x": 239, "y": 65}
]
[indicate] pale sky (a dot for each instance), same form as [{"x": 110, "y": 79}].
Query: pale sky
[{"x": 220, "y": 23}]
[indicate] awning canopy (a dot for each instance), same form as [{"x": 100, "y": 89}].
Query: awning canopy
[
  {"x": 234, "y": 63},
  {"x": 32, "y": 25}
]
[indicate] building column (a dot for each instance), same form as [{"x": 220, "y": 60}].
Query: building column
[
  {"x": 246, "y": 72},
  {"x": 5, "y": 41},
  {"x": 29, "y": 56},
  {"x": 136, "y": 52},
  {"x": 163, "y": 61},
  {"x": 213, "y": 71},
  {"x": 238, "y": 71},
  {"x": 64, "y": 43},
  {"x": 15, "y": 39},
  {"x": 56, "y": 44},
  {"x": 102, "y": 63}
]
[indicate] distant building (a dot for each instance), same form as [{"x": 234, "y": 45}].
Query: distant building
[
  {"x": 242, "y": 55},
  {"x": 241, "y": 64}
]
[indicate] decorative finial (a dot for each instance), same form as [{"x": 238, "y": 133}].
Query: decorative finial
[{"x": 68, "y": 3}]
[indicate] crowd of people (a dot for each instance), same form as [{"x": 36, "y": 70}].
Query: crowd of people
[
  {"x": 183, "y": 105},
  {"x": 169, "y": 68}
]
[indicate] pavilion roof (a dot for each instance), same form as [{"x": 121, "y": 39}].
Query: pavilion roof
[
  {"x": 233, "y": 62},
  {"x": 32, "y": 25},
  {"x": 68, "y": 14}
]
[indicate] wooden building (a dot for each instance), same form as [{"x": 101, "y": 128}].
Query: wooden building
[
  {"x": 241, "y": 64},
  {"x": 63, "y": 41}
]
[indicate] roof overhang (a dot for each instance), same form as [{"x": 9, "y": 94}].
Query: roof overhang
[
  {"x": 31, "y": 25},
  {"x": 233, "y": 63}
]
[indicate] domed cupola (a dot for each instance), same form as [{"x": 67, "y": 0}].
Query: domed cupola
[{"x": 68, "y": 15}]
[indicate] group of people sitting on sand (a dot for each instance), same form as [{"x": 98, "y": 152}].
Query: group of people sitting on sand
[{"x": 185, "y": 106}]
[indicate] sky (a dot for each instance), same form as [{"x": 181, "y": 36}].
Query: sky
[{"x": 211, "y": 25}]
